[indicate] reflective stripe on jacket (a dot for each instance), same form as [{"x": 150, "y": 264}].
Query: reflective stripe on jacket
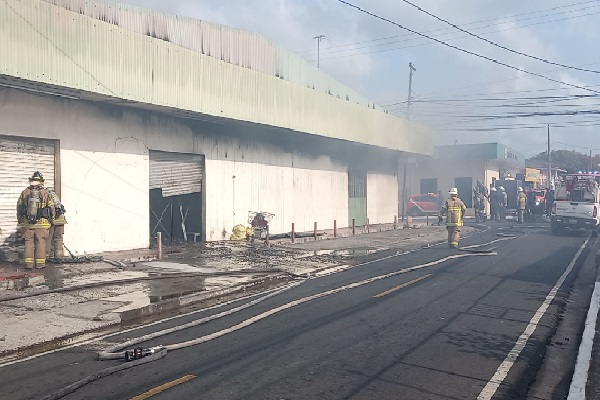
[
  {"x": 45, "y": 202},
  {"x": 454, "y": 208}
]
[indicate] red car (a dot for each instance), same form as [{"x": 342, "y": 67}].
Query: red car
[{"x": 423, "y": 204}]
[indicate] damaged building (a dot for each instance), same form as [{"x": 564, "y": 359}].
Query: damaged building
[{"x": 146, "y": 122}]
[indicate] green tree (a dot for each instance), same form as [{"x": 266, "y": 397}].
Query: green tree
[{"x": 569, "y": 160}]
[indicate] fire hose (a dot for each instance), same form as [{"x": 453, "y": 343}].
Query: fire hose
[{"x": 139, "y": 356}]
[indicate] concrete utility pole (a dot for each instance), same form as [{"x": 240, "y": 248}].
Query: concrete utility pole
[
  {"x": 549, "y": 160},
  {"x": 409, "y": 101},
  {"x": 319, "y": 40},
  {"x": 404, "y": 194}
]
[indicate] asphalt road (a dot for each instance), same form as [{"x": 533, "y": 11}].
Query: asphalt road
[{"x": 432, "y": 324}]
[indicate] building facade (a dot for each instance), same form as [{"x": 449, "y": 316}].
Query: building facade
[
  {"x": 145, "y": 122},
  {"x": 461, "y": 166}
]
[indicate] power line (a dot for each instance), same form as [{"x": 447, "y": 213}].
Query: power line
[
  {"x": 448, "y": 30},
  {"x": 464, "y": 50},
  {"x": 496, "y": 44}
]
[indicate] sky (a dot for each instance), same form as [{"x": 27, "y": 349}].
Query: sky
[{"x": 460, "y": 93}]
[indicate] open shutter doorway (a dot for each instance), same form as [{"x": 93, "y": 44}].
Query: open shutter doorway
[{"x": 176, "y": 198}]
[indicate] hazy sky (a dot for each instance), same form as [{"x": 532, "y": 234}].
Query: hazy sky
[{"x": 463, "y": 98}]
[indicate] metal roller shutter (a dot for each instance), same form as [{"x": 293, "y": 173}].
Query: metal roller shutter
[
  {"x": 19, "y": 158},
  {"x": 175, "y": 173}
]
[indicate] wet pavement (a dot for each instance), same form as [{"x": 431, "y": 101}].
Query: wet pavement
[{"x": 70, "y": 302}]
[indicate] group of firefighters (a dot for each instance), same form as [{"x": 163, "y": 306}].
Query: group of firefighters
[
  {"x": 527, "y": 207},
  {"x": 41, "y": 217}
]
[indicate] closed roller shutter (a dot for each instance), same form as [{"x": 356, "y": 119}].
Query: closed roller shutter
[
  {"x": 175, "y": 173},
  {"x": 19, "y": 158}
]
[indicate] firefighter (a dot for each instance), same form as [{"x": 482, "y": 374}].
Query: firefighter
[
  {"x": 454, "y": 208},
  {"x": 35, "y": 211},
  {"x": 494, "y": 204},
  {"x": 521, "y": 204},
  {"x": 54, "y": 243},
  {"x": 502, "y": 203}
]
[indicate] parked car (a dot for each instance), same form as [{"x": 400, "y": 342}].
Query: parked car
[{"x": 423, "y": 204}]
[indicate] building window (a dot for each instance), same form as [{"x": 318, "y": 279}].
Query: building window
[{"x": 429, "y": 185}]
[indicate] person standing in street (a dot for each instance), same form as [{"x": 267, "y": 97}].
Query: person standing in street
[
  {"x": 454, "y": 209},
  {"x": 35, "y": 212},
  {"x": 54, "y": 243},
  {"x": 494, "y": 204},
  {"x": 549, "y": 200},
  {"x": 521, "y": 205},
  {"x": 502, "y": 203}
]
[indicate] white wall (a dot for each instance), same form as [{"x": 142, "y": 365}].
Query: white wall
[
  {"x": 382, "y": 198},
  {"x": 296, "y": 188},
  {"x": 105, "y": 176}
]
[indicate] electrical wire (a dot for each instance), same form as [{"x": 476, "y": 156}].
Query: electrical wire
[
  {"x": 464, "y": 50},
  {"x": 411, "y": 38},
  {"x": 496, "y": 44},
  {"x": 509, "y": 18}
]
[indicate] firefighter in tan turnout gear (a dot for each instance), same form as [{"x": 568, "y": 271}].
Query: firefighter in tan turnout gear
[
  {"x": 454, "y": 209},
  {"x": 54, "y": 243},
  {"x": 35, "y": 212}
]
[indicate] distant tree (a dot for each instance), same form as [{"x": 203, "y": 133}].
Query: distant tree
[{"x": 569, "y": 160}]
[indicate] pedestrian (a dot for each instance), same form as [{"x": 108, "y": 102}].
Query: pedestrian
[
  {"x": 494, "y": 204},
  {"x": 454, "y": 209},
  {"x": 521, "y": 205},
  {"x": 54, "y": 243},
  {"x": 502, "y": 203},
  {"x": 35, "y": 211},
  {"x": 530, "y": 214},
  {"x": 549, "y": 200}
]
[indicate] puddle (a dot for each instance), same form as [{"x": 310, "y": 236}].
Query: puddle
[
  {"x": 342, "y": 252},
  {"x": 166, "y": 266}
]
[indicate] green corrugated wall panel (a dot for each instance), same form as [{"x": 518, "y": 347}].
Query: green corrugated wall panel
[
  {"x": 357, "y": 210},
  {"x": 46, "y": 43}
]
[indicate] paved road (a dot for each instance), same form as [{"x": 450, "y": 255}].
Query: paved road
[{"x": 432, "y": 324}]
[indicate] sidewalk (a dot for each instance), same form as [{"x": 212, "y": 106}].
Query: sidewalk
[{"x": 69, "y": 303}]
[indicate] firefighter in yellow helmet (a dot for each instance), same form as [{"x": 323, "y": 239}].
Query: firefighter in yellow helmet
[
  {"x": 35, "y": 211},
  {"x": 454, "y": 209}
]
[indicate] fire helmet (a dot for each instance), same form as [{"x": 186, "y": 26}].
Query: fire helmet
[{"x": 37, "y": 177}]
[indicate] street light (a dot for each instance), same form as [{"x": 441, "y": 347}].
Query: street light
[{"x": 319, "y": 38}]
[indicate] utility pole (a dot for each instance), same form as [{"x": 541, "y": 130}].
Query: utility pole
[
  {"x": 591, "y": 164},
  {"x": 549, "y": 160},
  {"x": 412, "y": 69},
  {"x": 319, "y": 40}
]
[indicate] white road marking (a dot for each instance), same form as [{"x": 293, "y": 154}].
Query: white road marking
[
  {"x": 582, "y": 366},
  {"x": 492, "y": 386},
  {"x": 294, "y": 303}
]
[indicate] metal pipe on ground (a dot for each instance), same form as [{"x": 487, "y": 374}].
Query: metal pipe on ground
[
  {"x": 159, "y": 245},
  {"x": 293, "y": 232}
]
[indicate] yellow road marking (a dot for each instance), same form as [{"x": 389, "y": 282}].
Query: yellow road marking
[
  {"x": 402, "y": 286},
  {"x": 163, "y": 387}
]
